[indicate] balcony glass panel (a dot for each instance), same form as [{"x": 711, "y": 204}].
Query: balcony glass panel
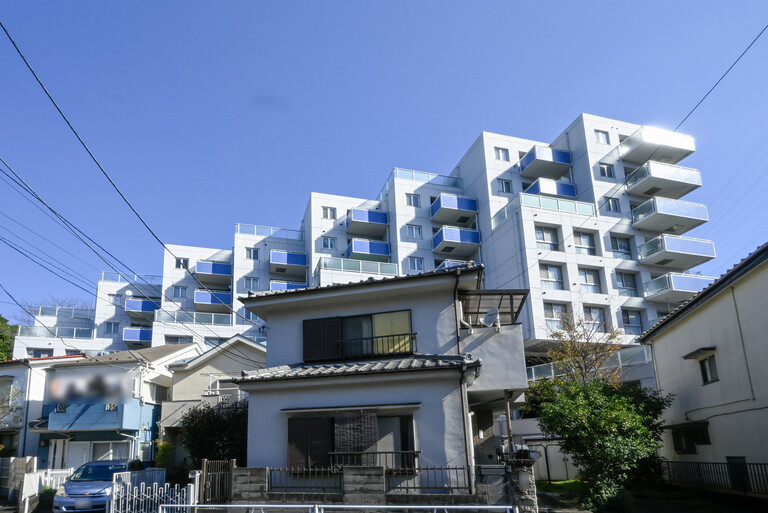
[
  {"x": 142, "y": 305},
  {"x": 144, "y": 279},
  {"x": 368, "y": 249},
  {"x": 277, "y": 256},
  {"x": 136, "y": 334},
  {"x": 552, "y": 187},
  {"x": 420, "y": 176},
  {"x": 269, "y": 231},
  {"x": 56, "y": 332},
  {"x": 283, "y": 285},
  {"x": 453, "y": 202},
  {"x": 219, "y": 268},
  {"x": 367, "y": 216},
  {"x": 205, "y": 297},
  {"x": 352, "y": 265}
]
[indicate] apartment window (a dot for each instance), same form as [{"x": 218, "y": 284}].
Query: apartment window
[
  {"x": 111, "y": 451},
  {"x": 116, "y": 299},
  {"x": 505, "y": 186},
  {"x": 72, "y": 352},
  {"x": 606, "y": 170},
  {"x": 585, "y": 243},
  {"x": 620, "y": 247},
  {"x": 708, "y": 368},
  {"x": 633, "y": 324},
  {"x": 329, "y": 212},
  {"x": 413, "y": 200},
  {"x": 249, "y": 316},
  {"x": 413, "y": 231},
  {"x": 251, "y": 283},
  {"x": 685, "y": 440},
  {"x": 182, "y": 263},
  {"x": 251, "y": 253},
  {"x": 329, "y": 242},
  {"x": 179, "y": 292},
  {"x": 211, "y": 342},
  {"x": 589, "y": 280},
  {"x": 554, "y": 313},
  {"x": 551, "y": 276},
  {"x": 415, "y": 264},
  {"x": 39, "y": 353},
  {"x": 601, "y": 136},
  {"x": 626, "y": 284},
  {"x": 502, "y": 154},
  {"x": 176, "y": 339},
  {"x": 594, "y": 318},
  {"x": 612, "y": 205},
  {"x": 111, "y": 328},
  {"x": 547, "y": 239}
]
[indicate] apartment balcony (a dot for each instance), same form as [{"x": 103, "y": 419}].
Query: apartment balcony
[
  {"x": 65, "y": 313},
  {"x": 676, "y": 253},
  {"x": 545, "y": 162},
  {"x": 214, "y": 273},
  {"x": 369, "y": 223},
  {"x": 453, "y": 209},
  {"x": 287, "y": 263},
  {"x": 184, "y": 317},
  {"x": 55, "y": 332},
  {"x": 669, "y": 215},
  {"x": 456, "y": 241},
  {"x": 286, "y": 285},
  {"x": 142, "y": 308},
  {"x": 448, "y": 263},
  {"x": 665, "y": 180},
  {"x": 137, "y": 335},
  {"x": 96, "y": 414},
  {"x": 213, "y": 301},
  {"x": 655, "y": 143},
  {"x": 549, "y": 187},
  {"x": 674, "y": 288},
  {"x": 364, "y": 249}
]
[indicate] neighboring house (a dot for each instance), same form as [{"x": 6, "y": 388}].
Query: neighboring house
[
  {"x": 105, "y": 407},
  {"x": 207, "y": 379},
  {"x": 711, "y": 355},
  {"x": 398, "y": 373}
]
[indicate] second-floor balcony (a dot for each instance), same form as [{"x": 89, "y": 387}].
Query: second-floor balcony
[
  {"x": 214, "y": 273},
  {"x": 96, "y": 415},
  {"x": 667, "y": 215},
  {"x": 549, "y": 187},
  {"x": 657, "y": 144},
  {"x": 384, "y": 346},
  {"x": 545, "y": 162},
  {"x": 142, "y": 308},
  {"x": 674, "y": 288},
  {"x": 675, "y": 252},
  {"x": 364, "y": 249},
  {"x": 368, "y": 223},
  {"x": 137, "y": 335},
  {"x": 666, "y": 180},
  {"x": 453, "y": 209},
  {"x": 287, "y": 263},
  {"x": 627, "y": 357},
  {"x": 456, "y": 241},
  {"x": 213, "y": 300}
]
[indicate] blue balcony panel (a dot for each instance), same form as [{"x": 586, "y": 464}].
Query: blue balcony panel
[
  {"x": 545, "y": 162},
  {"x": 213, "y": 301},
  {"x": 669, "y": 216},
  {"x": 142, "y": 308},
  {"x": 665, "y": 180},
  {"x": 453, "y": 210},
  {"x": 454, "y": 241},
  {"x": 662, "y": 145},
  {"x": 92, "y": 415},
  {"x": 673, "y": 288},
  {"x": 549, "y": 187},
  {"x": 370, "y": 223},
  {"x": 287, "y": 263},
  {"x": 286, "y": 285},
  {"x": 676, "y": 253},
  {"x": 364, "y": 249},
  {"x": 135, "y": 334},
  {"x": 213, "y": 272}
]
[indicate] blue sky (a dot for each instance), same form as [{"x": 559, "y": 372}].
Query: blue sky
[{"x": 212, "y": 113}]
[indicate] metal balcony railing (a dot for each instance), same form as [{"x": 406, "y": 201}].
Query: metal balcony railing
[
  {"x": 387, "y": 345},
  {"x": 386, "y": 459}
]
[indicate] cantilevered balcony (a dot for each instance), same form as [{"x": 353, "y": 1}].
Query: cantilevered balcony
[
  {"x": 549, "y": 187},
  {"x": 666, "y": 180},
  {"x": 649, "y": 143},
  {"x": 141, "y": 308},
  {"x": 137, "y": 335},
  {"x": 287, "y": 263},
  {"x": 545, "y": 162},
  {"x": 675, "y": 287},
  {"x": 214, "y": 273},
  {"x": 453, "y": 209},
  {"x": 364, "y": 249},
  {"x": 286, "y": 285},
  {"x": 213, "y": 301},
  {"x": 676, "y": 253},
  {"x": 456, "y": 241},
  {"x": 369, "y": 223},
  {"x": 669, "y": 216}
]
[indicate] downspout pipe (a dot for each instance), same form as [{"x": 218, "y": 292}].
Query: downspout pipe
[
  {"x": 469, "y": 452},
  {"x": 456, "y": 310}
]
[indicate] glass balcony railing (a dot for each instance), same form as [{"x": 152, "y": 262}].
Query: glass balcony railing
[
  {"x": 418, "y": 176},
  {"x": 658, "y": 144},
  {"x": 543, "y": 202},
  {"x": 141, "y": 279},
  {"x": 364, "y": 249},
  {"x": 141, "y": 305},
  {"x": 447, "y": 263},
  {"x": 669, "y": 215},
  {"x": 62, "y": 312},
  {"x": 214, "y": 297},
  {"x": 675, "y": 287},
  {"x": 550, "y": 187},
  {"x": 281, "y": 257},
  {"x": 286, "y": 285},
  {"x": 627, "y": 357},
  {"x": 453, "y": 209},
  {"x": 213, "y": 268},
  {"x": 269, "y": 231},
  {"x": 367, "y": 220},
  {"x": 666, "y": 180},
  {"x": 55, "y": 332},
  {"x": 183, "y": 317},
  {"x": 456, "y": 241},
  {"x": 545, "y": 162},
  {"x": 137, "y": 334},
  {"x": 357, "y": 266},
  {"x": 676, "y": 252}
]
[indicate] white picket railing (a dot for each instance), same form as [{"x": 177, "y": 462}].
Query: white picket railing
[
  {"x": 145, "y": 490},
  {"x": 34, "y": 482}
]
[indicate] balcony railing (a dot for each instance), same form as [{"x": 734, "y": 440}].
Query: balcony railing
[
  {"x": 387, "y": 459},
  {"x": 357, "y": 266},
  {"x": 213, "y": 268},
  {"x": 364, "y": 249},
  {"x": 448, "y": 263},
  {"x": 624, "y": 358},
  {"x": 387, "y": 345},
  {"x": 62, "y": 312},
  {"x": 141, "y": 279},
  {"x": 455, "y": 240},
  {"x": 183, "y": 317},
  {"x": 453, "y": 209},
  {"x": 660, "y": 179},
  {"x": 286, "y": 285},
  {"x": 549, "y": 187},
  {"x": 662, "y": 145},
  {"x": 213, "y": 297},
  {"x": 676, "y": 252},
  {"x": 56, "y": 332},
  {"x": 543, "y": 202},
  {"x": 269, "y": 231},
  {"x": 419, "y": 176},
  {"x": 142, "y": 305},
  {"x": 367, "y": 222},
  {"x": 675, "y": 287},
  {"x": 137, "y": 334},
  {"x": 669, "y": 215},
  {"x": 545, "y": 162}
]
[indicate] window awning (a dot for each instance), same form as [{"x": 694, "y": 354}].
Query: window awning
[
  {"x": 699, "y": 353},
  {"x": 477, "y": 303}
]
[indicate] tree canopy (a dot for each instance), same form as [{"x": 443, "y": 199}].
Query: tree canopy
[
  {"x": 216, "y": 432},
  {"x": 7, "y": 333}
]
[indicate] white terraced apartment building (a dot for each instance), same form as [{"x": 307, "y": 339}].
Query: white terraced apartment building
[{"x": 592, "y": 223}]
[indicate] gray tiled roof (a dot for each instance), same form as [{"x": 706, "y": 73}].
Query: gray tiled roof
[
  {"x": 146, "y": 355},
  {"x": 418, "y": 362}
]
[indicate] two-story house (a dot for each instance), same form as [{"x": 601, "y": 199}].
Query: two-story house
[{"x": 393, "y": 373}]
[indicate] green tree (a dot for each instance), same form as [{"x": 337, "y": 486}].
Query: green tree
[
  {"x": 7, "y": 333},
  {"x": 216, "y": 432}
]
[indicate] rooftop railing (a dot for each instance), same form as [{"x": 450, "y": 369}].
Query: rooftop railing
[
  {"x": 56, "y": 332},
  {"x": 269, "y": 231},
  {"x": 65, "y": 312},
  {"x": 141, "y": 279},
  {"x": 419, "y": 176}
]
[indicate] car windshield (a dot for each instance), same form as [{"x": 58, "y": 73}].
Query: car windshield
[{"x": 96, "y": 472}]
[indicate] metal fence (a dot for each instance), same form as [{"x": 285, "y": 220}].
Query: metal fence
[
  {"x": 436, "y": 480},
  {"x": 386, "y": 459},
  {"x": 336, "y": 508},
  {"x": 748, "y": 478},
  {"x": 150, "y": 499},
  {"x": 305, "y": 480},
  {"x": 216, "y": 481}
]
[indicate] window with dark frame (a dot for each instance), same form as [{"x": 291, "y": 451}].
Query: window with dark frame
[{"x": 708, "y": 367}]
